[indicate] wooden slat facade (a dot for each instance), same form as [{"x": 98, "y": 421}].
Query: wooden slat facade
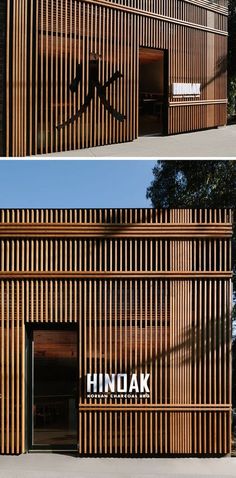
[
  {"x": 150, "y": 292},
  {"x": 2, "y": 77},
  {"x": 47, "y": 39}
]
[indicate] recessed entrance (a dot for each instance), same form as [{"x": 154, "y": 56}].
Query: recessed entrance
[
  {"x": 53, "y": 399},
  {"x": 151, "y": 91}
]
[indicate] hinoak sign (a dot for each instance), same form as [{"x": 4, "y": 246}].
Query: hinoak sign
[
  {"x": 121, "y": 385},
  {"x": 186, "y": 89}
]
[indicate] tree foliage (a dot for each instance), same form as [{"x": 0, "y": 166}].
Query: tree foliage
[{"x": 192, "y": 183}]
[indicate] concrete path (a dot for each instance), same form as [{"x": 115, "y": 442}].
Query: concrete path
[
  {"x": 63, "y": 466},
  {"x": 219, "y": 142}
]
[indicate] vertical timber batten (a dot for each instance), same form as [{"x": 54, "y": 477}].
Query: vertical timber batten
[
  {"x": 45, "y": 48},
  {"x": 150, "y": 292}
]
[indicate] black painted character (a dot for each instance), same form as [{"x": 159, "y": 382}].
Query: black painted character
[{"x": 93, "y": 82}]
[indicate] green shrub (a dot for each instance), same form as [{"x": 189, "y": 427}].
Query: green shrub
[{"x": 232, "y": 97}]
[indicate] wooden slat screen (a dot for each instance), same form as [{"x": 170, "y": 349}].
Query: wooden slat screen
[
  {"x": 3, "y": 67},
  {"x": 47, "y": 39},
  {"x": 157, "y": 304}
]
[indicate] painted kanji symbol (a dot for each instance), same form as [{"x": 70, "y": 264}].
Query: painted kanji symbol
[{"x": 93, "y": 83}]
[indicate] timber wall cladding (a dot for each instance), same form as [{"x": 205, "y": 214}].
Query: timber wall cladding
[
  {"x": 48, "y": 39},
  {"x": 150, "y": 291},
  {"x": 2, "y": 75}
]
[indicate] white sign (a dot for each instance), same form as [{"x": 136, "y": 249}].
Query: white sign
[
  {"x": 186, "y": 89},
  {"x": 119, "y": 385}
]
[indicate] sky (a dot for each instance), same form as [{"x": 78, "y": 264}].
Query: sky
[{"x": 75, "y": 184}]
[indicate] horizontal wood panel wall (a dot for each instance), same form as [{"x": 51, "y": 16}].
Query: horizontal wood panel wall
[
  {"x": 46, "y": 44},
  {"x": 131, "y": 318}
]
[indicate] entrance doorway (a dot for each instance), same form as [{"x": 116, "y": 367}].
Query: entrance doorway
[
  {"x": 152, "y": 94},
  {"x": 53, "y": 392}
]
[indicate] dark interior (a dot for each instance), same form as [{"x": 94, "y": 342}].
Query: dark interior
[
  {"x": 54, "y": 388},
  {"x": 151, "y": 91}
]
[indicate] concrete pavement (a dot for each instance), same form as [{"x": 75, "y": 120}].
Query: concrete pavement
[
  {"x": 219, "y": 142},
  {"x": 43, "y": 465}
]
